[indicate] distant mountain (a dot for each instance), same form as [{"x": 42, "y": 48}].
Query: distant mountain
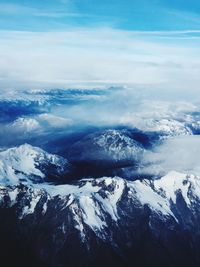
[{"x": 110, "y": 145}]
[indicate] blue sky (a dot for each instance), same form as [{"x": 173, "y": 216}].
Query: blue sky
[
  {"x": 37, "y": 15},
  {"x": 64, "y": 43}
]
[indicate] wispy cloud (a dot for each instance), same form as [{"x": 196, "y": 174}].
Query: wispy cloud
[
  {"x": 99, "y": 55},
  {"x": 18, "y": 9},
  {"x": 15, "y": 9},
  {"x": 56, "y": 14},
  {"x": 185, "y": 15}
]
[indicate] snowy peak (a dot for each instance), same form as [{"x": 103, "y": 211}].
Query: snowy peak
[
  {"x": 93, "y": 202},
  {"x": 24, "y": 125},
  {"x": 26, "y": 163},
  {"x": 168, "y": 127},
  {"x": 174, "y": 182},
  {"x": 118, "y": 143},
  {"x": 96, "y": 204},
  {"x": 113, "y": 145}
]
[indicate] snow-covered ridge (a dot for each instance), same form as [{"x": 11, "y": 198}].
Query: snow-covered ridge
[
  {"x": 165, "y": 118},
  {"x": 118, "y": 145},
  {"x": 99, "y": 202},
  {"x": 41, "y": 96},
  {"x": 36, "y": 124},
  {"x": 164, "y": 126},
  {"x": 23, "y": 164},
  {"x": 93, "y": 203},
  {"x": 112, "y": 144}
]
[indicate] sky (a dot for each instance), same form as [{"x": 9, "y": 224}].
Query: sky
[
  {"x": 61, "y": 43},
  {"x": 145, "y": 15}
]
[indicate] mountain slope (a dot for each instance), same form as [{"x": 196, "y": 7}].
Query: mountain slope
[
  {"x": 110, "y": 214},
  {"x": 29, "y": 164}
]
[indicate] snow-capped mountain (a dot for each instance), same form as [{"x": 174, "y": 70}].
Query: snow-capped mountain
[
  {"x": 97, "y": 199},
  {"x": 25, "y": 126},
  {"x": 29, "y": 164},
  {"x": 165, "y": 127},
  {"x": 113, "y": 145},
  {"x": 111, "y": 213},
  {"x": 118, "y": 145},
  {"x": 169, "y": 127},
  {"x": 110, "y": 197},
  {"x": 47, "y": 97}
]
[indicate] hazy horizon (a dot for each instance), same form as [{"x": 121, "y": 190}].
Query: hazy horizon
[{"x": 90, "y": 43}]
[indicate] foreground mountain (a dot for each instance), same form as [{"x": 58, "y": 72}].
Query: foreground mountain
[{"x": 105, "y": 221}]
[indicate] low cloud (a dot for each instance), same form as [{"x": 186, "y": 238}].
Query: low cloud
[{"x": 179, "y": 154}]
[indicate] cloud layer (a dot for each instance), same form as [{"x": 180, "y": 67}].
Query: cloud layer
[
  {"x": 179, "y": 154},
  {"x": 99, "y": 56}
]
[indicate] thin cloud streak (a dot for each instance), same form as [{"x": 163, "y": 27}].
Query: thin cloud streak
[
  {"x": 16, "y": 9},
  {"x": 98, "y": 55}
]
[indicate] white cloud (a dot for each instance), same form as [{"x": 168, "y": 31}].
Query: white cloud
[
  {"x": 57, "y": 14},
  {"x": 98, "y": 56},
  {"x": 179, "y": 154}
]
